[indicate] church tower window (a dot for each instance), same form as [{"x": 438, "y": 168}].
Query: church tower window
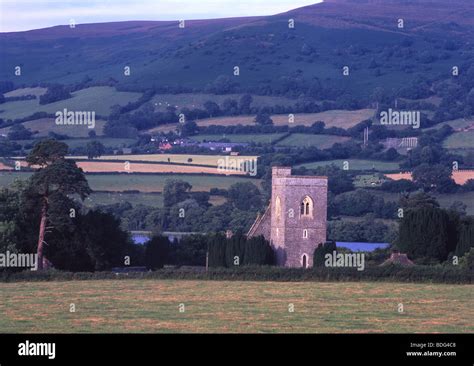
[
  {"x": 277, "y": 207},
  {"x": 306, "y": 208}
]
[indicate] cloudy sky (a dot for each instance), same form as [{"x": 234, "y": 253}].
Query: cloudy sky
[{"x": 18, "y": 15}]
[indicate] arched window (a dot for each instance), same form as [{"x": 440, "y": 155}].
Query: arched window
[
  {"x": 277, "y": 207},
  {"x": 304, "y": 261},
  {"x": 306, "y": 208},
  {"x": 305, "y": 234}
]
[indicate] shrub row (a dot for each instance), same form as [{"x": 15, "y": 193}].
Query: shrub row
[{"x": 392, "y": 273}]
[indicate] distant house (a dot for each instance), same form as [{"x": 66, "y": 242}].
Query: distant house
[
  {"x": 164, "y": 146},
  {"x": 222, "y": 146},
  {"x": 123, "y": 151},
  {"x": 401, "y": 143}
]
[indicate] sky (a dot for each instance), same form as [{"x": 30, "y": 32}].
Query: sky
[{"x": 19, "y": 15}]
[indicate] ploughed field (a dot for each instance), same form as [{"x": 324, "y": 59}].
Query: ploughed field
[{"x": 153, "y": 306}]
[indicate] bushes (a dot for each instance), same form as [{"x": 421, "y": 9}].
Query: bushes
[
  {"x": 423, "y": 233},
  {"x": 156, "y": 252},
  {"x": 466, "y": 237},
  {"x": 239, "y": 251},
  {"x": 54, "y": 94},
  {"x": 431, "y": 274},
  {"x": 321, "y": 251}
]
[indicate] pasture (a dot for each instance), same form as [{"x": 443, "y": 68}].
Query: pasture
[
  {"x": 356, "y": 164},
  {"x": 135, "y": 199},
  {"x": 444, "y": 200},
  {"x": 197, "y": 100},
  {"x": 142, "y": 182},
  {"x": 460, "y": 140},
  {"x": 208, "y": 160},
  {"x": 332, "y": 118},
  {"x": 153, "y": 306},
  {"x": 460, "y": 176},
  {"x": 132, "y": 167},
  {"x": 98, "y": 98},
  {"x": 305, "y": 140},
  {"x": 43, "y": 126},
  {"x": 38, "y": 91},
  {"x": 261, "y": 138}
]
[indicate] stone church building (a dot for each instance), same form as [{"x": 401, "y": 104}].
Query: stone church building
[{"x": 295, "y": 221}]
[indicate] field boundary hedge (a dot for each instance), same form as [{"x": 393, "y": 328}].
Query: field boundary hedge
[{"x": 392, "y": 273}]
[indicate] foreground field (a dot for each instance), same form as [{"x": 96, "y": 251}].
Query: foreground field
[{"x": 213, "y": 306}]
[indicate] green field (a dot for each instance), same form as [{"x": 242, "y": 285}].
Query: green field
[
  {"x": 152, "y": 306},
  {"x": 142, "y": 182},
  {"x": 356, "y": 164},
  {"x": 99, "y": 99},
  {"x": 43, "y": 126},
  {"x": 267, "y": 138},
  {"x": 26, "y": 91},
  {"x": 82, "y": 142},
  {"x": 135, "y": 199},
  {"x": 445, "y": 200},
  {"x": 319, "y": 141},
  {"x": 197, "y": 100},
  {"x": 106, "y": 198},
  {"x": 211, "y": 160},
  {"x": 456, "y": 124},
  {"x": 460, "y": 140},
  {"x": 332, "y": 118}
]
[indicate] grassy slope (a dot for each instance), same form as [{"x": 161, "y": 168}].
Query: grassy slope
[
  {"x": 267, "y": 138},
  {"x": 173, "y": 158},
  {"x": 356, "y": 164},
  {"x": 320, "y": 141},
  {"x": 460, "y": 140},
  {"x": 146, "y": 199},
  {"x": 197, "y": 100},
  {"x": 215, "y": 306},
  {"x": 99, "y": 99},
  {"x": 445, "y": 200},
  {"x": 332, "y": 118},
  {"x": 45, "y": 125}
]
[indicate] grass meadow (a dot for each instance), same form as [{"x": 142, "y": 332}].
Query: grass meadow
[
  {"x": 332, "y": 118},
  {"x": 142, "y": 182},
  {"x": 98, "y": 98},
  {"x": 305, "y": 140},
  {"x": 356, "y": 164},
  {"x": 153, "y": 306}
]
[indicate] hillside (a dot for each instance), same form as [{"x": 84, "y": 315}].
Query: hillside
[{"x": 273, "y": 59}]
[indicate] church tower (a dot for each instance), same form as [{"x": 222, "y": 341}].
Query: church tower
[{"x": 295, "y": 221}]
